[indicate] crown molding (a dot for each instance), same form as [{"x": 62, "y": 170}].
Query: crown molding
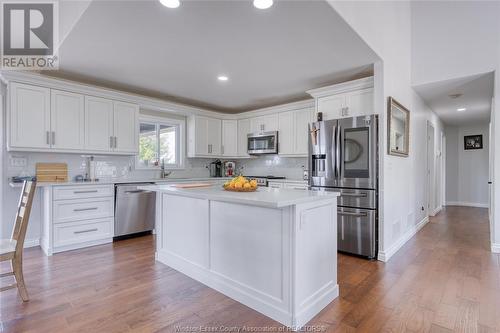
[
  {"x": 309, "y": 103},
  {"x": 343, "y": 87}
]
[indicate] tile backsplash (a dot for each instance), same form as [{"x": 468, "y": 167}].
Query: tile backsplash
[{"x": 112, "y": 167}]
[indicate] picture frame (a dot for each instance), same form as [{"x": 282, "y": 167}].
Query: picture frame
[
  {"x": 398, "y": 128},
  {"x": 473, "y": 142}
]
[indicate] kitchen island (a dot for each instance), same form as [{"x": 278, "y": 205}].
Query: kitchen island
[{"x": 274, "y": 250}]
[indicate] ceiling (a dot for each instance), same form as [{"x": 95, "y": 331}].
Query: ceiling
[
  {"x": 270, "y": 56},
  {"x": 476, "y": 94}
]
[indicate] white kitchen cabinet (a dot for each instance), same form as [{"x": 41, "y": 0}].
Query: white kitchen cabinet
[
  {"x": 265, "y": 123},
  {"x": 204, "y": 136},
  {"x": 29, "y": 116},
  {"x": 125, "y": 127},
  {"x": 98, "y": 124},
  {"x": 347, "y": 99},
  {"x": 293, "y": 132},
  {"x": 67, "y": 120},
  {"x": 229, "y": 138},
  {"x": 243, "y": 130},
  {"x": 275, "y": 184}
]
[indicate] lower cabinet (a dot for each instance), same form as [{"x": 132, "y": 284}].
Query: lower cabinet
[
  {"x": 289, "y": 184},
  {"x": 77, "y": 217}
]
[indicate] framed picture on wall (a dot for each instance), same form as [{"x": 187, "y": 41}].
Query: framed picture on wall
[{"x": 473, "y": 142}]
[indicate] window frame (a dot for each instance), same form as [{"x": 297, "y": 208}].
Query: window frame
[{"x": 180, "y": 144}]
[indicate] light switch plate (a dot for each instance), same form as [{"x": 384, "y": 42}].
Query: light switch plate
[{"x": 18, "y": 162}]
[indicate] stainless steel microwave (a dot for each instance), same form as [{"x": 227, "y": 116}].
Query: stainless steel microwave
[{"x": 262, "y": 143}]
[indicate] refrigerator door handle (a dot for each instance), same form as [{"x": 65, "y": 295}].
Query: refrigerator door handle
[
  {"x": 334, "y": 155},
  {"x": 338, "y": 160}
]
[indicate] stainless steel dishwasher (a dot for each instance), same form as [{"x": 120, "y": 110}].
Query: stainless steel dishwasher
[{"x": 134, "y": 209}]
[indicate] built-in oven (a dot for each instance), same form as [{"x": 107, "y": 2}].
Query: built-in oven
[{"x": 262, "y": 143}]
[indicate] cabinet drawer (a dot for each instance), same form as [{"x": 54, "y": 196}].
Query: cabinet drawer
[
  {"x": 82, "y": 209},
  {"x": 82, "y": 231},
  {"x": 79, "y": 192},
  {"x": 297, "y": 186}
]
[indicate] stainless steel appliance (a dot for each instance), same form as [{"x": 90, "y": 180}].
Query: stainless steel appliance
[
  {"x": 262, "y": 143},
  {"x": 134, "y": 209},
  {"x": 229, "y": 168},
  {"x": 343, "y": 157},
  {"x": 264, "y": 180},
  {"x": 215, "y": 168}
]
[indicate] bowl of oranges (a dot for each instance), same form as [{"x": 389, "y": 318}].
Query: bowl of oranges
[{"x": 241, "y": 184}]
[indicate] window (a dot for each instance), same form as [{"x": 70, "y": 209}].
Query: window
[{"x": 160, "y": 142}]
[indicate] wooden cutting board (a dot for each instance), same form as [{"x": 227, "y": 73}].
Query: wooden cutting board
[
  {"x": 192, "y": 185},
  {"x": 51, "y": 172}
]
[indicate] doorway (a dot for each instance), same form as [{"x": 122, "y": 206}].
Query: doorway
[{"x": 431, "y": 170}]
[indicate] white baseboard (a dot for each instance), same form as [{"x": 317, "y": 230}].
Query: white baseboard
[
  {"x": 467, "y": 204},
  {"x": 386, "y": 255},
  {"x": 495, "y": 247},
  {"x": 436, "y": 211},
  {"x": 31, "y": 242}
]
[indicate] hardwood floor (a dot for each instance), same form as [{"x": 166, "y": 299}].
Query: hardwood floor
[{"x": 443, "y": 280}]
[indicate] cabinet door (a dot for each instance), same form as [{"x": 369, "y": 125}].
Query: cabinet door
[
  {"x": 200, "y": 135},
  {"x": 286, "y": 135},
  {"x": 360, "y": 103},
  {"x": 331, "y": 106},
  {"x": 67, "y": 120},
  {"x": 229, "y": 138},
  {"x": 256, "y": 125},
  {"x": 98, "y": 123},
  {"x": 125, "y": 129},
  {"x": 243, "y": 130},
  {"x": 301, "y": 133},
  {"x": 271, "y": 123},
  {"x": 29, "y": 116},
  {"x": 214, "y": 138}
]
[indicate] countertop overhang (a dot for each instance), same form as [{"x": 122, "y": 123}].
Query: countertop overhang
[{"x": 263, "y": 197}]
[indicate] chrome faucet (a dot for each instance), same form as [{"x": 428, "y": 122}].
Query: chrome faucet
[{"x": 163, "y": 173}]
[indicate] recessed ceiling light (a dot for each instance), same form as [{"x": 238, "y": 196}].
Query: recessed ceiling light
[
  {"x": 262, "y": 4},
  {"x": 170, "y": 3},
  {"x": 461, "y": 109},
  {"x": 222, "y": 78}
]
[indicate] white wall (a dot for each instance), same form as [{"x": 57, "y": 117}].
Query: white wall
[
  {"x": 386, "y": 27},
  {"x": 467, "y": 170}
]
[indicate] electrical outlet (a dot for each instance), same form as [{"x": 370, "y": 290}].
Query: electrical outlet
[{"x": 18, "y": 162}]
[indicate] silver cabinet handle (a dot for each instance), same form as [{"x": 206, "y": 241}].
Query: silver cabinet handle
[
  {"x": 353, "y": 214},
  {"x": 53, "y": 138},
  {"x": 47, "y": 137},
  {"x": 84, "y": 231},
  {"x": 86, "y": 191},
  {"x": 110, "y": 142},
  {"x": 84, "y": 209},
  {"x": 115, "y": 142},
  {"x": 353, "y": 195}
]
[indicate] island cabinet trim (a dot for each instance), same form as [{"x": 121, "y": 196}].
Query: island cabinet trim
[{"x": 270, "y": 259}]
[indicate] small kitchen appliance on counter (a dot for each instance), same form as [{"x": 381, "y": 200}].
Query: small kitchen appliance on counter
[
  {"x": 229, "y": 168},
  {"x": 215, "y": 168}
]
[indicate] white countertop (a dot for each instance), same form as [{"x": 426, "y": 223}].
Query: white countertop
[
  {"x": 264, "y": 196},
  {"x": 124, "y": 181}
]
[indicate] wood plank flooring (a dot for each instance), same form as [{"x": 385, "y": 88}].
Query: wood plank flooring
[{"x": 443, "y": 280}]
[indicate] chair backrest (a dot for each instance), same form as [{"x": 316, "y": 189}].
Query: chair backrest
[{"x": 23, "y": 213}]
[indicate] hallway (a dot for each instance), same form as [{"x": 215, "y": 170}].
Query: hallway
[{"x": 443, "y": 280}]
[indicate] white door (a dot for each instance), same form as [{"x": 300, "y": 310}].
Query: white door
[
  {"x": 243, "y": 131},
  {"x": 359, "y": 103},
  {"x": 431, "y": 167},
  {"x": 229, "y": 138},
  {"x": 125, "y": 129},
  {"x": 29, "y": 116},
  {"x": 302, "y": 120},
  {"x": 98, "y": 123},
  {"x": 214, "y": 138},
  {"x": 67, "y": 120},
  {"x": 331, "y": 106},
  {"x": 286, "y": 134},
  {"x": 491, "y": 159}
]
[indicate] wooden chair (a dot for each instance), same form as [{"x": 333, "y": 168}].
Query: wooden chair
[{"x": 12, "y": 249}]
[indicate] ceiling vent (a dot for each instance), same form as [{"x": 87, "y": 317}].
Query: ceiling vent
[{"x": 454, "y": 96}]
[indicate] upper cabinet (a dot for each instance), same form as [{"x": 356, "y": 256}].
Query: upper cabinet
[
  {"x": 348, "y": 99},
  {"x": 204, "y": 136},
  {"x": 293, "y": 132},
  {"x": 244, "y": 129},
  {"x": 265, "y": 123},
  {"x": 29, "y": 116},
  {"x": 43, "y": 119},
  {"x": 229, "y": 138}
]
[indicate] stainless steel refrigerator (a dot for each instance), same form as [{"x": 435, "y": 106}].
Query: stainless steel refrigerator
[{"x": 343, "y": 157}]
